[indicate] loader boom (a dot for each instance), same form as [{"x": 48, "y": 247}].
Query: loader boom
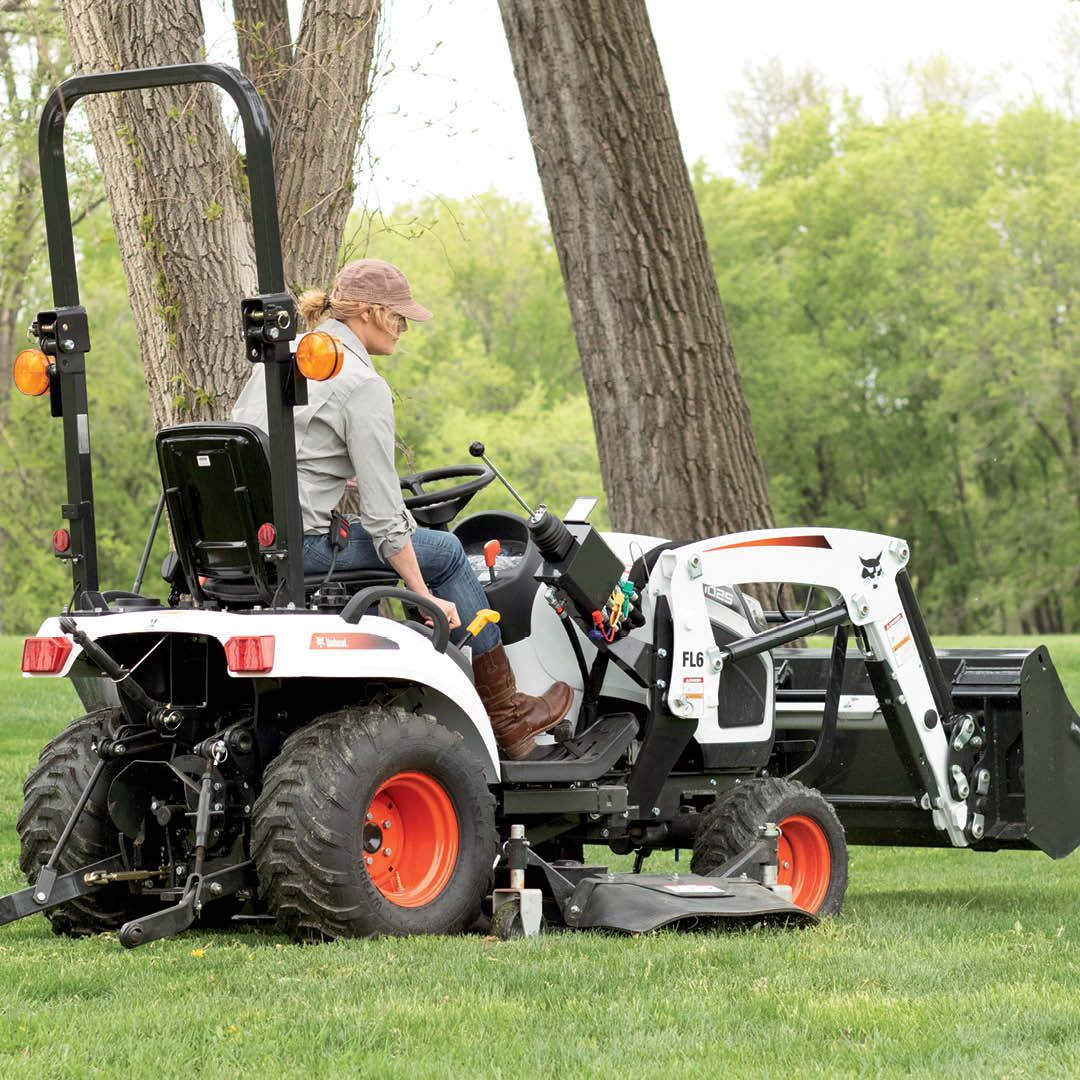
[{"x": 865, "y": 573}]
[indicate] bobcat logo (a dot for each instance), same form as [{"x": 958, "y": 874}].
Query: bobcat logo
[{"x": 871, "y": 569}]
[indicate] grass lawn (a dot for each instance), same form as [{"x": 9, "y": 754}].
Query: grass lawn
[{"x": 943, "y": 963}]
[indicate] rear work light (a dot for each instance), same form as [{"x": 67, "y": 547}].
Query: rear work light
[
  {"x": 32, "y": 372},
  {"x": 319, "y": 356},
  {"x": 45, "y": 655},
  {"x": 250, "y": 654}
]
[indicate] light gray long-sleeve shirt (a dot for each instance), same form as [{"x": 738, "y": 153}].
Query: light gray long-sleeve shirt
[{"x": 345, "y": 430}]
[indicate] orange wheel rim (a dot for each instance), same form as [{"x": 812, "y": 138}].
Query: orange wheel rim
[
  {"x": 805, "y": 862},
  {"x": 410, "y": 839}
]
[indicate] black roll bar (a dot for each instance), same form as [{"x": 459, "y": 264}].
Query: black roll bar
[{"x": 64, "y": 335}]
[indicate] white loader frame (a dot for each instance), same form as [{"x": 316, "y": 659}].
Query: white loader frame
[{"x": 856, "y": 569}]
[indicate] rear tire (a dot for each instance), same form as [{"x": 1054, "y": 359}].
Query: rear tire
[
  {"x": 49, "y": 796},
  {"x": 812, "y": 850},
  {"x": 328, "y": 864}
]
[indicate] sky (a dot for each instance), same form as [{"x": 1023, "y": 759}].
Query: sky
[{"x": 447, "y": 118}]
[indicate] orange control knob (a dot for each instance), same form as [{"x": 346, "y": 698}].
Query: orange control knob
[{"x": 491, "y": 550}]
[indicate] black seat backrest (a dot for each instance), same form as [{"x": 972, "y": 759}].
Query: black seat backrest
[{"x": 216, "y": 478}]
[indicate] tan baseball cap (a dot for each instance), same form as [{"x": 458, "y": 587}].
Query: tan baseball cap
[{"x": 378, "y": 282}]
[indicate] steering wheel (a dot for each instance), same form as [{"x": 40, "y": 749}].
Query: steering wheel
[{"x": 434, "y": 509}]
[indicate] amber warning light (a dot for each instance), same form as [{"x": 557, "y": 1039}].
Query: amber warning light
[
  {"x": 32, "y": 372},
  {"x": 319, "y": 356}
]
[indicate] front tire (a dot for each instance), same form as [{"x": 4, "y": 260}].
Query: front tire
[
  {"x": 49, "y": 796},
  {"x": 374, "y": 821},
  {"x": 812, "y": 851}
]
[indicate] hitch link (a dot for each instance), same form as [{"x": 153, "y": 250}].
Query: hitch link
[{"x": 103, "y": 877}]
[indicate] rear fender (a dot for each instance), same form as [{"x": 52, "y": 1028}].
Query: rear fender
[{"x": 318, "y": 646}]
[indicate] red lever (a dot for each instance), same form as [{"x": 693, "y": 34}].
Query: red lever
[{"x": 491, "y": 550}]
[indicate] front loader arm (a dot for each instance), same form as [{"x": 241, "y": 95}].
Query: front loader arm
[{"x": 863, "y": 572}]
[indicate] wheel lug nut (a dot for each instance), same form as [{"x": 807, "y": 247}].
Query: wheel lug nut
[
  {"x": 386, "y": 824},
  {"x": 386, "y": 851},
  {"x": 368, "y": 859},
  {"x": 368, "y": 816}
]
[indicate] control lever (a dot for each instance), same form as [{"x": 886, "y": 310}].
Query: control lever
[
  {"x": 491, "y": 553},
  {"x": 477, "y": 450}
]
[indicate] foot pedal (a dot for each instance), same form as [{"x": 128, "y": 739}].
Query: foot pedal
[{"x": 586, "y": 757}]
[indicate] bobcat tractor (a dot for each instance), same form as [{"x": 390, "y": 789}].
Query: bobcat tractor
[{"x": 264, "y": 741}]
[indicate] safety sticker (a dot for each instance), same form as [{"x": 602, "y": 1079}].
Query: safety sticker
[
  {"x": 690, "y": 889},
  {"x": 903, "y": 648},
  {"x": 693, "y": 687},
  {"x": 351, "y": 641}
]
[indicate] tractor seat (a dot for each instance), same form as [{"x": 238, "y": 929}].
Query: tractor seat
[{"x": 216, "y": 479}]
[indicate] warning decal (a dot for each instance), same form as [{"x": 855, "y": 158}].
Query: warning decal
[
  {"x": 691, "y": 889},
  {"x": 903, "y": 648},
  {"x": 693, "y": 687}
]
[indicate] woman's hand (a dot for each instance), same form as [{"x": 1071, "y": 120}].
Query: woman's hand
[
  {"x": 404, "y": 562},
  {"x": 448, "y": 609}
]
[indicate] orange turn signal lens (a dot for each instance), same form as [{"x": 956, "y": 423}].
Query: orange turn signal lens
[
  {"x": 32, "y": 372},
  {"x": 319, "y": 356}
]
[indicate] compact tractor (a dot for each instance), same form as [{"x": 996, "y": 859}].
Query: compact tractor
[{"x": 266, "y": 741}]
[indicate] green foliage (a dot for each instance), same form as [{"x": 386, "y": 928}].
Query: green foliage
[
  {"x": 32, "y": 582},
  {"x": 498, "y": 361},
  {"x": 901, "y": 302}
]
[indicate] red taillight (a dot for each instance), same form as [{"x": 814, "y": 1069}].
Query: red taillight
[
  {"x": 250, "y": 653},
  {"x": 267, "y": 535},
  {"x": 61, "y": 540},
  {"x": 45, "y": 655}
]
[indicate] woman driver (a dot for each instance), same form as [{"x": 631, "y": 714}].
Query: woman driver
[{"x": 347, "y": 430}]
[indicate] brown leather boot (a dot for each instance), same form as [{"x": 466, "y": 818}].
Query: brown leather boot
[{"x": 516, "y": 718}]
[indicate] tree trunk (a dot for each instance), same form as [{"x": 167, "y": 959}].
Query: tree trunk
[
  {"x": 677, "y": 452},
  {"x": 175, "y": 178},
  {"x": 323, "y": 111}
]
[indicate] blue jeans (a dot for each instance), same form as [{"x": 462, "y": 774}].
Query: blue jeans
[{"x": 442, "y": 563}]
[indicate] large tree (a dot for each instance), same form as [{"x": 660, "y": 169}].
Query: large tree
[
  {"x": 677, "y": 451},
  {"x": 175, "y": 176}
]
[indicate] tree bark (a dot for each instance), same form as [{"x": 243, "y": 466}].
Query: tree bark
[
  {"x": 323, "y": 111},
  {"x": 173, "y": 178},
  {"x": 175, "y": 182},
  {"x": 677, "y": 451}
]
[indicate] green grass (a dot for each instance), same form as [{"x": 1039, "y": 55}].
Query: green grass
[{"x": 943, "y": 963}]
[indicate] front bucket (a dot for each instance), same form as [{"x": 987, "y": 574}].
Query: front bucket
[
  {"x": 1051, "y": 757},
  {"x": 637, "y": 903}
]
